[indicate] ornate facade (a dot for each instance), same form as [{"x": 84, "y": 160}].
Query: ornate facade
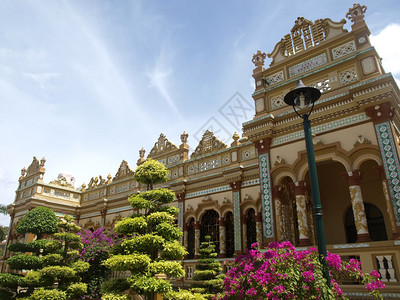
[{"x": 257, "y": 188}]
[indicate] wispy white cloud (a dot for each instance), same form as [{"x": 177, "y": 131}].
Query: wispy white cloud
[
  {"x": 42, "y": 79},
  {"x": 387, "y": 44}
]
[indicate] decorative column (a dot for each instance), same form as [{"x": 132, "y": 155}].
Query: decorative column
[
  {"x": 381, "y": 172},
  {"x": 236, "y": 185},
  {"x": 181, "y": 207},
  {"x": 263, "y": 147},
  {"x": 381, "y": 116},
  {"x": 222, "y": 238},
  {"x": 259, "y": 229},
  {"x": 300, "y": 193},
  {"x": 276, "y": 198},
  {"x": 244, "y": 230},
  {"x": 353, "y": 179},
  {"x": 197, "y": 227}
]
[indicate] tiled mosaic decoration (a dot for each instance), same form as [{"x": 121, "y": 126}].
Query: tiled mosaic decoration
[
  {"x": 391, "y": 165},
  {"x": 321, "y": 128},
  {"x": 180, "y": 217},
  {"x": 209, "y": 191},
  {"x": 277, "y": 102},
  {"x": 266, "y": 195},
  {"x": 236, "y": 220}
]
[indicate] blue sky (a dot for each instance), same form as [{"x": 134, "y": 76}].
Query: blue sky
[{"x": 86, "y": 84}]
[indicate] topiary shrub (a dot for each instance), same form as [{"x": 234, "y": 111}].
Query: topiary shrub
[
  {"x": 40, "y": 220},
  {"x": 76, "y": 289},
  {"x": 24, "y": 262},
  {"x": 114, "y": 297},
  {"x": 41, "y": 294}
]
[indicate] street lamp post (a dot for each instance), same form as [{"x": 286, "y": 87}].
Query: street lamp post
[{"x": 302, "y": 97}]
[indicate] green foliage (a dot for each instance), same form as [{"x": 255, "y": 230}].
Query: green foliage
[
  {"x": 133, "y": 262},
  {"x": 116, "y": 285},
  {"x": 24, "y": 262},
  {"x": 207, "y": 270},
  {"x": 40, "y": 220},
  {"x": 42, "y": 294},
  {"x": 51, "y": 259},
  {"x": 146, "y": 243},
  {"x": 80, "y": 266},
  {"x": 169, "y": 268},
  {"x": 151, "y": 172},
  {"x": 56, "y": 273},
  {"x": 114, "y": 297},
  {"x": 129, "y": 225},
  {"x": 67, "y": 237},
  {"x": 17, "y": 247},
  {"x": 157, "y": 218},
  {"x": 173, "y": 250},
  {"x": 10, "y": 280},
  {"x": 144, "y": 284},
  {"x": 3, "y": 209},
  {"x": 182, "y": 295},
  {"x": 75, "y": 290}
]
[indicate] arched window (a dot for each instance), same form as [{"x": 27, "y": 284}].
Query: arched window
[
  {"x": 375, "y": 221},
  {"x": 230, "y": 235},
  {"x": 191, "y": 239},
  {"x": 251, "y": 228},
  {"x": 210, "y": 226}
]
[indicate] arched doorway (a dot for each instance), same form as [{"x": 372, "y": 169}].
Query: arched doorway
[
  {"x": 251, "y": 227},
  {"x": 210, "y": 226},
  {"x": 191, "y": 239},
  {"x": 375, "y": 221},
  {"x": 230, "y": 235}
]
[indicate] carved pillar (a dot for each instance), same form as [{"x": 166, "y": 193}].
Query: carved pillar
[
  {"x": 181, "y": 207},
  {"x": 244, "y": 230},
  {"x": 381, "y": 172},
  {"x": 103, "y": 217},
  {"x": 381, "y": 116},
  {"x": 276, "y": 197},
  {"x": 263, "y": 147},
  {"x": 236, "y": 185},
  {"x": 299, "y": 189},
  {"x": 222, "y": 239},
  {"x": 353, "y": 179},
  {"x": 259, "y": 229},
  {"x": 197, "y": 226}
]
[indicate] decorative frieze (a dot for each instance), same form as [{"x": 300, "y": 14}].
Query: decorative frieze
[
  {"x": 173, "y": 159},
  {"x": 211, "y": 164},
  {"x": 308, "y": 65},
  {"x": 343, "y": 50},
  {"x": 274, "y": 78}
]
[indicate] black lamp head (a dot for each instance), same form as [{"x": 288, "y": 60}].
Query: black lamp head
[{"x": 302, "y": 95}]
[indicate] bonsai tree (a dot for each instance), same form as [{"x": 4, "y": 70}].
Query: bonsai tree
[
  {"x": 207, "y": 271},
  {"x": 150, "y": 247},
  {"x": 51, "y": 263}
]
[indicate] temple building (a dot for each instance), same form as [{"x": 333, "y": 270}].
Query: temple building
[{"x": 257, "y": 189}]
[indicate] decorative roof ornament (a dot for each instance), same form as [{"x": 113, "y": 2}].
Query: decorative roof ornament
[
  {"x": 142, "y": 152},
  {"x": 34, "y": 167},
  {"x": 123, "y": 171},
  {"x": 208, "y": 144},
  {"x": 161, "y": 146},
  {"x": 356, "y": 13},
  {"x": 62, "y": 182},
  {"x": 235, "y": 138},
  {"x": 258, "y": 58},
  {"x": 184, "y": 137}
]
